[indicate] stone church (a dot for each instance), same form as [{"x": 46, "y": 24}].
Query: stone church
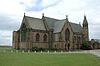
[{"x": 50, "y": 33}]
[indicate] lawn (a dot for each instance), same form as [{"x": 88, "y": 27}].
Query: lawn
[{"x": 47, "y": 59}]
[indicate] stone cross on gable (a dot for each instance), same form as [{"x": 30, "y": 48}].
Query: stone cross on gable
[{"x": 66, "y": 16}]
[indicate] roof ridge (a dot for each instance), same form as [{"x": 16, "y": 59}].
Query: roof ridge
[
  {"x": 33, "y": 17},
  {"x": 74, "y": 23},
  {"x": 51, "y": 18}
]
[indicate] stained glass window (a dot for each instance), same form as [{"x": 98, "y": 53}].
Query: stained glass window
[
  {"x": 37, "y": 37},
  {"x": 45, "y": 37},
  {"x": 67, "y": 35}
]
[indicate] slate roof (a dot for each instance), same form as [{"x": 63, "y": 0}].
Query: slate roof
[
  {"x": 50, "y": 22},
  {"x": 35, "y": 23},
  {"x": 55, "y": 24},
  {"x": 76, "y": 27},
  {"x": 58, "y": 25}
]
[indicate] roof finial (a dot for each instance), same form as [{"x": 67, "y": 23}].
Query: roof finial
[
  {"x": 24, "y": 14},
  {"x": 84, "y": 16},
  {"x": 66, "y": 16},
  {"x": 43, "y": 14}
]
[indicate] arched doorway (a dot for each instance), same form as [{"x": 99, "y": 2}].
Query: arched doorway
[
  {"x": 68, "y": 46},
  {"x": 67, "y": 39}
]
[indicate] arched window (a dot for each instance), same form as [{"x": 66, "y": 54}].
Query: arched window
[
  {"x": 67, "y": 34},
  {"x": 45, "y": 38},
  {"x": 23, "y": 36},
  {"x": 37, "y": 37},
  {"x": 23, "y": 32}
]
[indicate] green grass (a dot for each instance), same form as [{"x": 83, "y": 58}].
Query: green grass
[{"x": 44, "y": 59}]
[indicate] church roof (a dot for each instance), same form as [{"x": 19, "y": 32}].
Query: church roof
[
  {"x": 50, "y": 22},
  {"x": 76, "y": 27},
  {"x": 35, "y": 23},
  {"x": 55, "y": 24},
  {"x": 58, "y": 25}
]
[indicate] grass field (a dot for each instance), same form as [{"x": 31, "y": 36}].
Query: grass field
[{"x": 46, "y": 59}]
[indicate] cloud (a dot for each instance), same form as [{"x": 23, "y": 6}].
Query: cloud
[
  {"x": 5, "y": 37},
  {"x": 10, "y": 19},
  {"x": 40, "y": 5},
  {"x": 9, "y": 22},
  {"x": 11, "y": 7}
]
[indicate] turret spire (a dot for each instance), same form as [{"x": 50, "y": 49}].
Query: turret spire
[
  {"x": 85, "y": 29},
  {"x": 85, "y": 20}
]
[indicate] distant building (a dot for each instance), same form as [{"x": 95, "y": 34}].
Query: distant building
[
  {"x": 50, "y": 33},
  {"x": 95, "y": 43}
]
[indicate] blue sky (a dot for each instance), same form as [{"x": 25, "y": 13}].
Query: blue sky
[{"x": 12, "y": 11}]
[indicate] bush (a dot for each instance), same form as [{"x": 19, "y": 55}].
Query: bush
[
  {"x": 85, "y": 46},
  {"x": 39, "y": 49},
  {"x": 35, "y": 49},
  {"x": 53, "y": 49}
]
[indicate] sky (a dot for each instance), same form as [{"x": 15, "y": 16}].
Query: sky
[{"x": 12, "y": 11}]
